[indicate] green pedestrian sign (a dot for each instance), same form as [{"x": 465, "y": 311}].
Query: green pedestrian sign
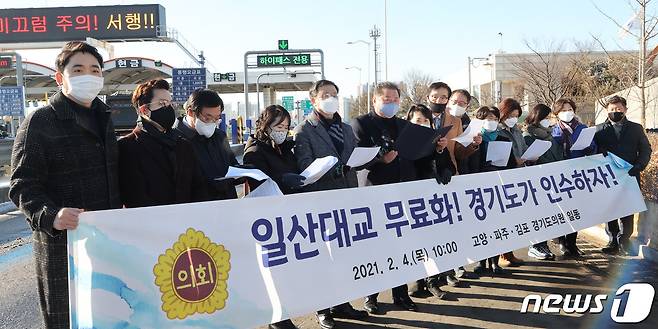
[
  {"x": 283, "y": 44},
  {"x": 288, "y": 103}
]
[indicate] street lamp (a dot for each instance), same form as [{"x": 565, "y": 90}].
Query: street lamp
[
  {"x": 356, "y": 68},
  {"x": 368, "y": 44},
  {"x": 471, "y": 60}
]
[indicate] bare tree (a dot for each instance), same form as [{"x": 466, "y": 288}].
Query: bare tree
[
  {"x": 544, "y": 75},
  {"x": 359, "y": 105},
  {"x": 414, "y": 89},
  {"x": 647, "y": 31}
]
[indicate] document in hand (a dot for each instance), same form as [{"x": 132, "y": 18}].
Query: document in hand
[
  {"x": 362, "y": 155},
  {"x": 474, "y": 128},
  {"x": 584, "y": 139},
  {"x": 536, "y": 149},
  {"x": 498, "y": 153},
  {"x": 234, "y": 172},
  {"x": 318, "y": 168},
  {"x": 415, "y": 141},
  {"x": 267, "y": 188}
]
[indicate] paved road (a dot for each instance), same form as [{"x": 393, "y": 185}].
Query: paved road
[
  {"x": 481, "y": 303},
  {"x": 19, "y": 302}
]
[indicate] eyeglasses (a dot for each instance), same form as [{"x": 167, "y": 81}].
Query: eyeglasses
[
  {"x": 208, "y": 119},
  {"x": 460, "y": 103},
  {"x": 162, "y": 103},
  {"x": 327, "y": 96}
]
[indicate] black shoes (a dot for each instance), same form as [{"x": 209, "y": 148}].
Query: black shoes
[
  {"x": 437, "y": 292},
  {"x": 371, "y": 306},
  {"x": 405, "y": 303},
  {"x": 285, "y": 324},
  {"x": 611, "y": 249},
  {"x": 346, "y": 311},
  {"x": 326, "y": 321}
]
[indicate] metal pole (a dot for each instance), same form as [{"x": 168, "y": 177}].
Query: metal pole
[
  {"x": 375, "y": 61},
  {"x": 368, "y": 77},
  {"x": 386, "y": 40},
  {"x": 246, "y": 88},
  {"x": 470, "y": 89},
  {"x": 19, "y": 82}
]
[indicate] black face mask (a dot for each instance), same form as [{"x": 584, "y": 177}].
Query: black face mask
[
  {"x": 437, "y": 108},
  {"x": 615, "y": 116},
  {"x": 164, "y": 116}
]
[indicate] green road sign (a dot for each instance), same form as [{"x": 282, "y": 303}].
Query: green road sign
[
  {"x": 283, "y": 44},
  {"x": 306, "y": 106},
  {"x": 288, "y": 103},
  {"x": 283, "y": 60}
]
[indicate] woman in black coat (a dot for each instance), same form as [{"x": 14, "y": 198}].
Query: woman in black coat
[
  {"x": 157, "y": 166},
  {"x": 491, "y": 116},
  {"x": 270, "y": 151}
]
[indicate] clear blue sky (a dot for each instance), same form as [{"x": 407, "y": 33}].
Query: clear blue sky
[{"x": 433, "y": 36}]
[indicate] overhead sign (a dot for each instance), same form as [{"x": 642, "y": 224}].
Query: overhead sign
[
  {"x": 12, "y": 101},
  {"x": 128, "y": 63},
  {"x": 288, "y": 103},
  {"x": 185, "y": 81},
  {"x": 283, "y": 60},
  {"x": 283, "y": 44},
  {"x": 219, "y": 77},
  {"x": 5, "y": 62},
  {"x": 78, "y": 23}
]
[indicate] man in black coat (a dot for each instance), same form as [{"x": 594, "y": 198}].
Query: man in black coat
[
  {"x": 627, "y": 140},
  {"x": 65, "y": 162},
  {"x": 381, "y": 128},
  {"x": 157, "y": 165},
  {"x": 200, "y": 127}
]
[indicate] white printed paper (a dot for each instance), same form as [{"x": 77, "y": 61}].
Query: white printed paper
[
  {"x": 473, "y": 129},
  {"x": 362, "y": 155},
  {"x": 256, "y": 174},
  {"x": 267, "y": 188},
  {"x": 584, "y": 139},
  {"x": 536, "y": 149},
  {"x": 318, "y": 168},
  {"x": 498, "y": 153}
]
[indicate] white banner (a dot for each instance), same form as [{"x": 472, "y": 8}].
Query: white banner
[{"x": 244, "y": 263}]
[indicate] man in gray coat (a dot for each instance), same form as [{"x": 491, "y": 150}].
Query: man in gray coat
[
  {"x": 65, "y": 162},
  {"x": 324, "y": 134}
]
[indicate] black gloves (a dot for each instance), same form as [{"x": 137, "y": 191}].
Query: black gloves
[
  {"x": 443, "y": 176},
  {"x": 292, "y": 181},
  {"x": 635, "y": 172},
  {"x": 340, "y": 170}
]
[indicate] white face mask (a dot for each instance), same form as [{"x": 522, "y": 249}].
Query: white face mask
[
  {"x": 84, "y": 88},
  {"x": 205, "y": 129},
  {"x": 426, "y": 125},
  {"x": 566, "y": 116},
  {"x": 278, "y": 136},
  {"x": 511, "y": 122},
  {"x": 457, "y": 110},
  {"x": 490, "y": 125},
  {"x": 545, "y": 123},
  {"x": 329, "y": 105}
]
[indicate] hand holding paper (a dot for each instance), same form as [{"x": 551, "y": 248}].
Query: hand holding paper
[
  {"x": 362, "y": 155},
  {"x": 584, "y": 139},
  {"x": 498, "y": 153},
  {"x": 318, "y": 168},
  {"x": 536, "y": 150}
]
